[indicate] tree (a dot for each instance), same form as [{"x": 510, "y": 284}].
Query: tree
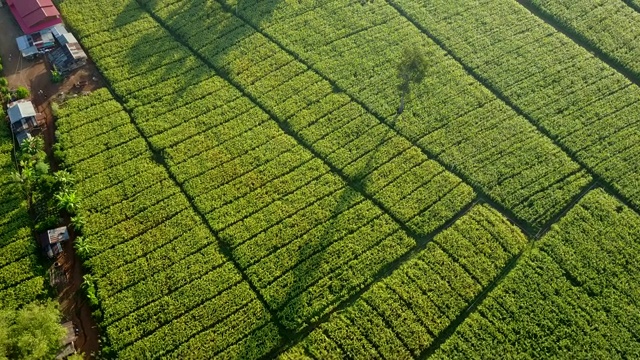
[
  {"x": 64, "y": 179},
  {"x": 22, "y": 92},
  {"x": 34, "y": 332},
  {"x": 82, "y": 246},
  {"x": 411, "y": 70},
  {"x": 32, "y": 146},
  {"x": 68, "y": 201}
]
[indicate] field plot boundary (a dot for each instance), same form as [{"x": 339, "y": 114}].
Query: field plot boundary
[
  {"x": 381, "y": 275},
  {"x": 632, "y": 5},
  {"x": 581, "y": 40},
  {"x": 605, "y": 184},
  {"x": 528, "y": 230}
]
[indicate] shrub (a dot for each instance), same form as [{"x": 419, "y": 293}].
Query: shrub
[{"x": 22, "y": 92}]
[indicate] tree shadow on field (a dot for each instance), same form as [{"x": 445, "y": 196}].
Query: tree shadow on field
[
  {"x": 299, "y": 307},
  {"x": 161, "y": 64}
]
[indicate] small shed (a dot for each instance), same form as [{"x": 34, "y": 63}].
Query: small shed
[
  {"x": 51, "y": 241},
  {"x": 31, "y": 45},
  {"x": 68, "y": 343},
  {"x": 70, "y": 55},
  {"x": 23, "y": 118}
]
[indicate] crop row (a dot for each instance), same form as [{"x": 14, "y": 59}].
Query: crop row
[
  {"x": 574, "y": 294},
  {"x": 247, "y": 176},
  {"x": 285, "y": 87},
  {"x": 21, "y": 276},
  {"x": 611, "y": 26},
  {"x": 584, "y": 104},
  {"x": 400, "y": 316},
  {"x": 360, "y": 57},
  {"x": 148, "y": 249}
]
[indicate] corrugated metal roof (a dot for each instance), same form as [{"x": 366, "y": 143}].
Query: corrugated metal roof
[{"x": 20, "y": 109}]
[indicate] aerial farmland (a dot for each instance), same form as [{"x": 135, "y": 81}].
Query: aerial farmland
[{"x": 340, "y": 179}]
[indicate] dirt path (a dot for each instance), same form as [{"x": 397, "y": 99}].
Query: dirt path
[
  {"x": 74, "y": 304},
  {"x": 35, "y": 75}
]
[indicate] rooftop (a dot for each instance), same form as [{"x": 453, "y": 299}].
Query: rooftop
[
  {"x": 34, "y": 15},
  {"x": 20, "y": 109}
]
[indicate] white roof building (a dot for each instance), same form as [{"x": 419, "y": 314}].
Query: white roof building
[{"x": 20, "y": 109}]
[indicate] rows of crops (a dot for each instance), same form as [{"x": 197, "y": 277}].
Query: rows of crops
[
  {"x": 527, "y": 174},
  {"x": 304, "y": 237},
  {"x": 21, "y": 276},
  {"x": 401, "y": 316},
  {"x": 610, "y": 26},
  {"x": 246, "y": 180},
  {"x": 163, "y": 283},
  {"x": 575, "y": 295},
  {"x": 585, "y": 105}
]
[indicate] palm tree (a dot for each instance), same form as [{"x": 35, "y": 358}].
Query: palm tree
[
  {"x": 68, "y": 201},
  {"x": 82, "y": 246},
  {"x": 78, "y": 222},
  {"x": 32, "y": 145},
  {"x": 64, "y": 178}
]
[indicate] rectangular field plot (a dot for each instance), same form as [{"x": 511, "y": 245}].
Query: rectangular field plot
[
  {"x": 157, "y": 265},
  {"x": 400, "y": 316},
  {"x": 578, "y": 286},
  {"x": 611, "y": 26},
  {"x": 585, "y": 105},
  {"x": 449, "y": 115}
]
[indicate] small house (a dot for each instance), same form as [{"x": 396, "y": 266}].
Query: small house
[
  {"x": 34, "y": 15},
  {"x": 70, "y": 55},
  {"x": 51, "y": 241},
  {"x": 36, "y": 43},
  {"x": 68, "y": 343},
  {"x": 23, "y": 119}
]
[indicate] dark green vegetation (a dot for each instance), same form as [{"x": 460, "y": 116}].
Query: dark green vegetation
[
  {"x": 578, "y": 288},
  {"x": 31, "y": 333},
  {"x": 21, "y": 275},
  {"x": 340, "y": 179}
]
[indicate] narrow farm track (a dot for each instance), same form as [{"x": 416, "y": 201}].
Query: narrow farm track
[
  {"x": 453, "y": 326},
  {"x": 580, "y": 40},
  {"x": 527, "y": 228},
  {"x": 475, "y": 74}
]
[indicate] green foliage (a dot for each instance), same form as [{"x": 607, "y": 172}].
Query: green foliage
[
  {"x": 576, "y": 288},
  {"x": 3, "y": 82},
  {"x": 89, "y": 286},
  {"x": 412, "y": 68},
  {"x": 68, "y": 200},
  {"x": 55, "y": 107},
  {"x": 56, "y": 76},
  {"x": 78, "y": 222},
  {"x": 34, "y": 332},
  {"x": 83, "y": 247},
  {"x": 22, "y": 92},
  {"x": 582, "y": 103}
]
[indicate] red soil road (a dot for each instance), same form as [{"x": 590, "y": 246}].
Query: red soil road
[{"x": 35, "y": 75}]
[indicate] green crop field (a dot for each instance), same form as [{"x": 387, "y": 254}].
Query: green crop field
[
  {"x": 255, "y": 186},
  {"x": 21, "y": 275}
]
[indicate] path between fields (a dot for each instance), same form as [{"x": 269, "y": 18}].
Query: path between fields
[{"x": 35, "y": 75}]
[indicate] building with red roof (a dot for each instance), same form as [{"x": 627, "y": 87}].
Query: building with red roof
[{"x": 34, "y": 15}]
